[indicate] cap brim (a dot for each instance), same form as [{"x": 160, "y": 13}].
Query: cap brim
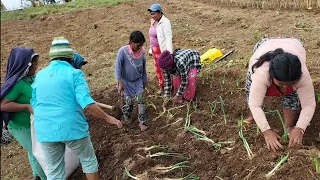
[
  {"x": 153, "y": 10},
  {"x": 84, "y": 62}
]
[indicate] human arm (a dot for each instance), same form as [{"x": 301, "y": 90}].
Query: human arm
[
  {"x": 11, "y": 106},
  {"x": 306, "y": 95},
  {"x": 183, "y": 70},
  {"x": 118, "y": 70},
  {"x": 96, "y": 111},
  {"x": 8, "y": 103},
  {"x": 84, "y": 99},
  {"x": 144, "y": 75},
  {"x": 167, "y": 29},
  {"x": 257, "y": 93},
  {"x": 167, "y": 84}
]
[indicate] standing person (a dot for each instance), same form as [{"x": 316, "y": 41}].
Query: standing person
[
  {"x": 60, "y": 94},
  {"x": 160, "y": 34},
  {"x": 132, "y": 77},
  {"x": 16, "y": 93},
  {"x": 278, "y": 68},
  {"x": 184, "y": 64}
]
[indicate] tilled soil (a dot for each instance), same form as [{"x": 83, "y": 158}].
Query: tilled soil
[{"x": 98, "y": 33}]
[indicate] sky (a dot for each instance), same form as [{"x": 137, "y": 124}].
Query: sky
[
  {"x": 12, "y": 4},
  {"x": 17, "y": 4}
]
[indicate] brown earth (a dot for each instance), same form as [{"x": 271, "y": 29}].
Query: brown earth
[{"x": 196, "y": 25}]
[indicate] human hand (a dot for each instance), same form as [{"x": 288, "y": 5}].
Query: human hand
[
  {"x": 271, "y": 139},
  {"x": 30, "y": 109},
  {"x": 119, "y": 124},
  {"x": 120, "y": 87},
  {"x": 295, "y": 137},
  {"x": 115, "y": 121}
]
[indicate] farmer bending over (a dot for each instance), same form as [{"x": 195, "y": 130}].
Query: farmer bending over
[
  {"x": 184, "y": 64},
  {"x": 278, "y": 68},
  {"x": 132, "y": 77},
  {"x": 60, "y": 94}
]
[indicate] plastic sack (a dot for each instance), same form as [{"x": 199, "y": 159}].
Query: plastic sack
[
  {"x": 210, "y": 56},
  {"x": 70, "y": 158}
]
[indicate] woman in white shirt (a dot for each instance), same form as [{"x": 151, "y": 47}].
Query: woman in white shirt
[{"x": 160, "y": 34}]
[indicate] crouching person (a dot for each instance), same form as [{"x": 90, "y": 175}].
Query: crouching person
[
  {"x": 59, "y": 96},
  {"x": 184, "y": 64}
]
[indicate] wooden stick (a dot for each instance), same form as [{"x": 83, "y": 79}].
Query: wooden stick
[{"x": 105, "y": 106}]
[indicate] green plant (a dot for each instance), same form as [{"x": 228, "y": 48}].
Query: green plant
[
  {"x": 127, "y": 174},
  {"x": 188, "y": 116},
  {"x": 244, "y": 140},
  {"x": 278, "y": 165},
  {"x": 318, "y": 97},
  {"x": 316, "y": 163},
  {"x": 213, "y": 107},
  {"x": 34, "y": 12},
  {"x": 285, "y": 131},
  {"x": 179, "y": 165},
  {"x": 155, "y": 147},
  {"x": 195, "y": 105},
  {"x": 222, "y": 108},
  {"x": 158, "y": 154},
  {"x": 180, "y": 119}
]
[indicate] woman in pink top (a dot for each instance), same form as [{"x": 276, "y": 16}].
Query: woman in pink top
[
  {"x": 278, "y": 68},
  {"x": 160, "y": 34}
]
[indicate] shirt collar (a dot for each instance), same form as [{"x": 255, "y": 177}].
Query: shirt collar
[
  {"x": 162, "y": 19},
  {"x": 57, "y": 62},
  {"x": 29, "y": 80}
]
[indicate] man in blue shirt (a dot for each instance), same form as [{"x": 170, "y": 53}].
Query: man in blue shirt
[{"x": 60, "y": 94}]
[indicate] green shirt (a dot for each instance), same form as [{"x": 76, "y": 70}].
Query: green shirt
[{"x": 21, "y": 93}]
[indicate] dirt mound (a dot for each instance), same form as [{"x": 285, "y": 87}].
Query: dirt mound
[{"x": 119, "y": 149}]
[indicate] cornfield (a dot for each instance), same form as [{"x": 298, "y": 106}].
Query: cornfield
[{"x": 272, "y": 4}]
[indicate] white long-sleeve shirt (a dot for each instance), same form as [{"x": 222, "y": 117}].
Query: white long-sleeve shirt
[{"x": 164, "y": 34}]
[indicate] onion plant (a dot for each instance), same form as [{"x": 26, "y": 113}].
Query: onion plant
[
  {"x": 244, "y": 140},
  {"x": 155, "y": 147},
  {"x": 285, "y": 131},
  {"x": 278, "y": 165},
  {"x": 316, "y": 163},
  {"x": 222, "y": 108},
  {"x": 159, "y": 154},
  {"x": 179, "y": 165},
  {"x": 213, "y": 106},
  {"x": 127, "y": 173}
]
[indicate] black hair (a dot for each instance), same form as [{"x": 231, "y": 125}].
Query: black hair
[
  {"x": 35, "y": 58},
  {"x": 284, "y": 66},
  {"x": 137, "y": 37}
]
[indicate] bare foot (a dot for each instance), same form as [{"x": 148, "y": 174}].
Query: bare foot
[{"x": 143, "y": 127}]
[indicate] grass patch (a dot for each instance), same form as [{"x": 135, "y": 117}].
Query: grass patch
[{"x": 34, "y": 12}]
